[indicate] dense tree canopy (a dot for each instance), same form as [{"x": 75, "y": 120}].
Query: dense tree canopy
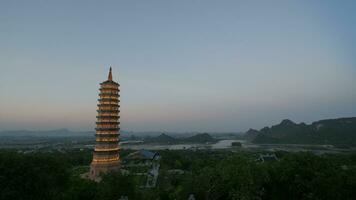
[{"x": 218, "y": 175}]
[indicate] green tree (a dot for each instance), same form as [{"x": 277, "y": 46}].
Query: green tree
[
  {"x": 34, "y": 176},
  {"x": 114, "y": 185}
]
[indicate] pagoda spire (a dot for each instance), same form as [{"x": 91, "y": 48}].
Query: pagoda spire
[{"x": 110, "y": 75}]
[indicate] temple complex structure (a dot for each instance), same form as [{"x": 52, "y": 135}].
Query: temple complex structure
[{"x": 106, "y": 153}]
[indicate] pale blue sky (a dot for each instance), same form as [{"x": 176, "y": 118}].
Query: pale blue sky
[{"x": 182, "y": 65}]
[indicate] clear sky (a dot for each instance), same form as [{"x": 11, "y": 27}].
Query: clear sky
[{"x": 183, "y": 65}]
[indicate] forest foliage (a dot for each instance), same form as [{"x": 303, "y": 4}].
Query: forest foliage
[{"x": 207, "y": 175}]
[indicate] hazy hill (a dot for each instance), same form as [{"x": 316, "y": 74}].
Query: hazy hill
[
  {"x": 200, "y": 138},
  {"x": 166, "y": 139},
  {"x": 250, "y": 134},
  {"x": 330, "y": 131},
  {"x": 49, "y": 133},
  {"x": 61, "y": 133},
  {"x": 147, "y": 137},
  {"x": 161, "y": 139}
]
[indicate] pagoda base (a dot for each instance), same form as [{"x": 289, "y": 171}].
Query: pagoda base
[{"x": 97, "y": 169}]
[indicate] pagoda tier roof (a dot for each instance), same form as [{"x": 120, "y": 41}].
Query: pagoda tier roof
[
  {"x": 107, "y": 129},
  {"x": 107, "y": 135},
  {"x": 110, "y": 123},
  {"x": 111, "y": 162},
  {"x": 104, "y": 133},
  {"x": 107, "y": 139},
  {"x": 104, "y": 115},
  {"x": 107, "y": 151},
  {"x": 108, "y": 99},
  {"x": 110, "y": 95},
  {"x": 109, "y": 82},
  {"x": 109, "y": 92},
  {"x": 109, "y": 104},
  {"x": 104, "y": 107},
  {"x": 107, "y": 111},
  {"x": 107, "y": 142},
  {"x": 108, "y": 117},
  {"x": 115, "y": 89},
  {"x": 116, "y": 133},
  {"x": 109, "y": 108},
  {"x": 112, "y": 147},
  {"x": 113, "y": 153},
  {"x": 112, "y": 156}
]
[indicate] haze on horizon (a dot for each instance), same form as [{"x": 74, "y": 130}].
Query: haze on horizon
[{"x": 214, "y": 66}]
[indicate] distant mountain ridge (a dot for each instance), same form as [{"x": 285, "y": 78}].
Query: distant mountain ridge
[
  {"x": 200, "y": 138},
  {"x": 330, "y": 131},
  {"x": 161, "y": 139},
  {"x": 65, "y": 133},
  {"x": 251, "y": 134},
  {"x": 54, "y": 133},
  {"x": 166, "y": 139},
  {"x": 48, "y": 133}
]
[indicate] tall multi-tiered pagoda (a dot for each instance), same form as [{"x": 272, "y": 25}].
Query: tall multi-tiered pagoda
[{"x": 106, "y": 153}]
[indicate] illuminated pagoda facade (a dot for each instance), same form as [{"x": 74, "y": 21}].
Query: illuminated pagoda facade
[{"x": 106, "y": 153}]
